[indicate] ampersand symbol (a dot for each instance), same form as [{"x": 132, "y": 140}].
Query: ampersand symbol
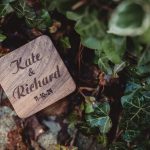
[{"x": 31, "y": 72}]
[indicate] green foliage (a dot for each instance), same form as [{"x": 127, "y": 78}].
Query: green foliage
[
  {"x": 90, "y": 29},
  {"x": 118, "y": 68},
  {"x": 136, "y": 117},
  {"x": 130, "y": 135},
  {"x": 40, "y": 20},
  {"x": 2, "y": 37},
  {"x": 145, "y": 37},
  {"x": 114, "y": 48},
  {"x": 65, "y": 42},
  {"x": 100, "y": 118},
  {"x": 103, "y": 63},
  {"x": 119, "y": 34},
  {"x": 130, "y": 18},
  {"x": 5, "y": 8},
  {"x": 73, "y": 16},
  {"x": 60, "y": 5},
  {"x": 144, "y": 62}
]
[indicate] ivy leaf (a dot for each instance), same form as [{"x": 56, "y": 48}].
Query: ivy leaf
[
  {"x": 136, "y": 105},
  {"x": 7, "y": 1},
  {"x": 61, "y": 6},
  {"x": 65, "y": 42},
  {"x": 90, "y": 29},
  {"x": 118, "y": 68},
  {"x": 99, "y": 118},
  {"x": 114, "y": 48},
  {"x": 143, "y": 69},
  {"x": 5, "y": 9},
  {"x": 130, "y": 135},
  {"x": 89, "y": 108},
  {"x": 103, "y": 64},
  {"x": 145, "y": 37},
  {"x": 145, "y": 58},
  {"x": 144, "y": 62},
  {"x": 23, "y": 10},
  {"x": 2, "y": 37},
  {"x": 41, "y": 21},
  {"x": 73, "y": 16},
  {"x": 132, "y": 87},
  {"x": 130, "y": 18}
]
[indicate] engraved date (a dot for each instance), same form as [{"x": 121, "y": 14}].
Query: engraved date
[{"x": 43, "y": 95}]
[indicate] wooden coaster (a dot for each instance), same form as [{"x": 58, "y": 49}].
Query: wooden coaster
[{"x": 34, "y": 77}]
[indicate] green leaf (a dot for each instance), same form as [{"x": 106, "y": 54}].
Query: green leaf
[
  {"x": 143, "y": 69},
  {"x": 65, "y": 42},
  {"x": 118, "y": 68},
  {"x": 102, "y": 139},
  {"x": 131, "y": 87},
  {"x": 114, "y": 48},
  {"x": 99, "y": 118},
  {"x": 145, "y": 37},
  {"x": 72, "y": 119},
  {"x": 103, "y": 64},
  {"x": 89, "y": 108},
  {"x": 91, "y": 42},
  {"x": 61, "y": 6},
  {"x": 73, "y": 16},
  {"x": 136, "y": 106},
  {"x": 5, "y": 9},
  {"x": 90, "y": 29},
  {"x": 23, "y": 10},
  {"x": 7, "y": 1},
  {"x": 145, "y": 58},
  {"x": 144, "y": 62},
  {"x": 2, "y": 37},
  {"x": 130, "y": 135},
  {"x": 41, "y": 21},
  {"x": 130, "y": 18}
]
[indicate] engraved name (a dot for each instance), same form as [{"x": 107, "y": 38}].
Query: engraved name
[
  {"x": 28, "y": 62},
  {"x": 23, "y": 90}
]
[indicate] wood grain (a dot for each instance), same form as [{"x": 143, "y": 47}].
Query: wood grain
[{"x": 34, "y": 77}]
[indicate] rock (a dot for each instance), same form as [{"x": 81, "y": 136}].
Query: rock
[
  {"x": 53, "y": 126},
  {"x": 47, "y": 139},
  {"x": 7, "y": 124}
]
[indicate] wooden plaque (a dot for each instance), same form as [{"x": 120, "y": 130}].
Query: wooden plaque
[{"x": 34, "y": 77}]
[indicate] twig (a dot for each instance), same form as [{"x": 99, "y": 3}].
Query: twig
[
  {"x": 79, "y": 56},
  {"x": 78, "y": 4},
  {"x": 73, "y": 138},
  {"x": 118, "y": 132}
]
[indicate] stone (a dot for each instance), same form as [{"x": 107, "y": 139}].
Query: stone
[
  {"x": 47, "y": 139},
  {"x": 7, "y": 124}
]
